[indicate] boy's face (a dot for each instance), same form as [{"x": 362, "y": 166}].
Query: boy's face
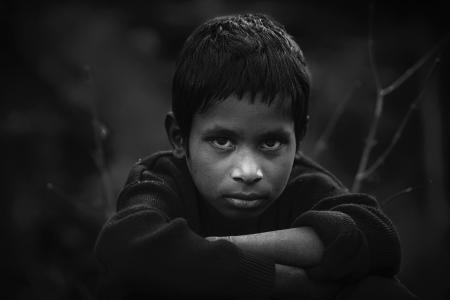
[{"x": 241, "y": 155}]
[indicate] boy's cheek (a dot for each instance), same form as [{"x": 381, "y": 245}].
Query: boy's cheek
[
  {"x": 205, "y": 166},
  {"x": 278, "y": 175}
]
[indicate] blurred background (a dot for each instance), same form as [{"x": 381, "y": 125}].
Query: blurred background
[{"x": 84, "y": 91}]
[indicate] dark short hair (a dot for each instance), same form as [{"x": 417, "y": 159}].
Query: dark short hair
[{"x": 239, "y": 54}]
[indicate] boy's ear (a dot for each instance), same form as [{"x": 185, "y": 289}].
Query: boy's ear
[{"x": 174, "y": 134}]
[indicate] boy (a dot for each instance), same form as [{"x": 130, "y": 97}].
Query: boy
[{"x": 235, "y": 210}]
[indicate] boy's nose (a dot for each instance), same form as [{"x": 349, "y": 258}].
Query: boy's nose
[{"x": 247, "y": 170}]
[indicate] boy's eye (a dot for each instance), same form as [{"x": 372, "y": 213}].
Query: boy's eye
[
  {"x": 222, "y": 143},
  {"x": 271, "y": 145}
]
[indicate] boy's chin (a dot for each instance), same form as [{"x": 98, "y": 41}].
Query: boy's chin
[
  {"x": 238, "y": 213},
  {"x": 240, "y": 216}
]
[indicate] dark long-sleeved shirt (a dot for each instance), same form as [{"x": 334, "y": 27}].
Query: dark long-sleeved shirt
[{"x": 154, "y": 244}]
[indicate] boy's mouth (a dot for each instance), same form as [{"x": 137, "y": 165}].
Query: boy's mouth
[
  {"x": 239, "y": 203},
  {"x": 245, "y": 200},
  {"x": 245, "y": 196}
]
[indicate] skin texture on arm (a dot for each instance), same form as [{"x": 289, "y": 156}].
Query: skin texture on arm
[{"x": 299, "y": 247}]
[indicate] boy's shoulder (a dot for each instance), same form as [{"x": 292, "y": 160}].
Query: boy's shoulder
[
  {"x": 166, "y": 166},
  {"x": 161, "y": 173},
  {"x": 306, "y": 170},
  {"x": 161, "y": 161}
]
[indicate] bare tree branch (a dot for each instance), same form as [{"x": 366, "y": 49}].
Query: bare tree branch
[
  {"x": 414, "y": 68},
  {"x": 100, "y": 133},
  {"x": 403, "y": 192},
  {"x": 370, "y": 142},
  {"x": 362, "y": 171},
  {"x": 400, "y": 129},
  {"x": 371, "y": 48},
  {"x": 60, "y": 193}
]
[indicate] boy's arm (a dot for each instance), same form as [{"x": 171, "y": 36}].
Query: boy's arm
[
  {"x": 293, "y": 250},
  {"x": 144, "y": 253},
  {"x": 300, "y": 246},
  {"x": 147, "y": 249},
  {"x": 343, "y": 237},
  {"x": 359, "y": 238}
]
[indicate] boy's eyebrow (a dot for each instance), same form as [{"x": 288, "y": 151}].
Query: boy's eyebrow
[
  {"x": 216, "y": 129},
  {"x": 219, "y": 130},
  {"x": 278, "y": 132}
]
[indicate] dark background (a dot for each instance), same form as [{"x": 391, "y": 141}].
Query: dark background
[{"x": 85, "y": 87}]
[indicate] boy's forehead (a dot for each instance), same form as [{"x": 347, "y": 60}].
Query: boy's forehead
[
  {"x": 250, "y": 115},
  {"x": 247, "y": 105}
]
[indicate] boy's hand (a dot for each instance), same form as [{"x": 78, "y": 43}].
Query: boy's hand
[{"x": 293, "y": 283}]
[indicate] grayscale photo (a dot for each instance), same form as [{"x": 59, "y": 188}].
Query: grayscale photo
[{"x": 225, "y": 150}]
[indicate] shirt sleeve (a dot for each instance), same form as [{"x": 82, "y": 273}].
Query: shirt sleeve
[
  {"x": 145, "y": 249},
  {"x": 359, "y": 238}
]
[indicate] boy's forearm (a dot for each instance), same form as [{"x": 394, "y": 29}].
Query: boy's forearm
[{"x": 300, "y": 247}]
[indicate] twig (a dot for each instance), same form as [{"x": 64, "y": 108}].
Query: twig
[
  {"x": 370, "y": 48},
  {"x": 402, "y": 193},
  {"x": 414, "y": 68},
  {"x": 70, "y": 199},
  {"x": 322, "y": 142},
  {"x": 100, "y": 133},
  {"x": 399, "y": 131},
  {"x": 361, "y": 173},
  {"x": 370, "y": 140},
  {"x": 60, "y": 193}
]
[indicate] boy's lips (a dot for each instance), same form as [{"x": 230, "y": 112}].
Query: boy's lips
[
  {"x": 245, "y": 196},
  {"x": 241, "y": 200}
]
